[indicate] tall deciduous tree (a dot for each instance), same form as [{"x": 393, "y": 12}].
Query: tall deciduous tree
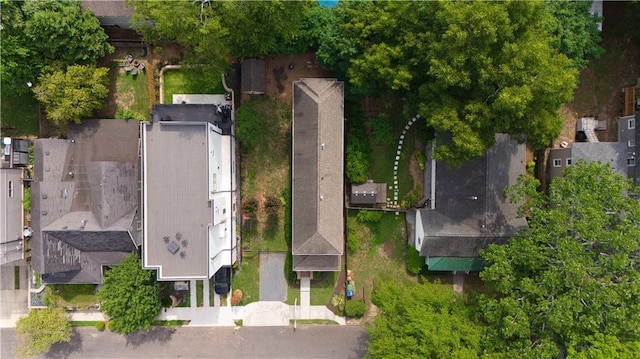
[
  {"x": 421, "y": 321},
  {"x": 69, "y": 96},
  {"x": 472, "y": 69},
  {"x": 42, "y": 36},
  {"x": 39, "y": 330},
  {"x": 130, "y": 296},
  {"x": 571, "y": 282}
]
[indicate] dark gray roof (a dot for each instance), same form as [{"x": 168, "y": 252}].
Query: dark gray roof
[
  {"x": 369, "y": 193},
  {"x": 471, "y": 209},
  {"x": 318, "y": 199},
  {"x": 85, "y": 197},
  {"x": 253, "y": 76},
  {"x": 194, "y": 113}
]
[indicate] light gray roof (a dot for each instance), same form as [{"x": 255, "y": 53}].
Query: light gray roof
[
  {"x": 108, "y": 8},
  {"x": 11, "y": 215},
  {"x": 85, "y": 187},
  {"x": 612, "y": 153},
  {"x": 318, "y": 188},
  {"x": 368, "y": 193},
  {"x": 471, "y": 209},
  {"x": 176, "y": 192}
]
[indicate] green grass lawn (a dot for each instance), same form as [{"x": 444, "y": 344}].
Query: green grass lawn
[
  {"x": 380, "y": 254},
  {"x": 199, "y": 293},
  {"x": 19, "y": 115},
  {"x": 75, "y": 295},
  {"x": 247, "y": 279},
  {"x": 185, "y": 81},
  {"x": 137, "y": 87}
]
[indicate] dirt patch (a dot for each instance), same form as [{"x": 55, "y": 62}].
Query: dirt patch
[
  {"x": 599, "y": 92},
  {"x": 282, "y": 70}
]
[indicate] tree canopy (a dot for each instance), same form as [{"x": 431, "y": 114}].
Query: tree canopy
[
  {"x": 69, "y": 96},
  {"x": 471, "y": 69},
  {"x": 42, "y": 36},
  {"x": 421, "y": 321},
  {"x": 130, "y": 296},
  {"x": 571, "y": 282},
  {"x": 39, "y": 330}
]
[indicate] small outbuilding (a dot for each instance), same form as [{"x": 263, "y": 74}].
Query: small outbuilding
[
  {"x": 368, "y": 194},
  {"x": 252, "y": 73}
]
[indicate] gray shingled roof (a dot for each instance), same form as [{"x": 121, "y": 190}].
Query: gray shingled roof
[
  {"x": 108, "y": 8},
  {"x": 84, "y": 200},
  {"x": 252, "y": 72},
  {"x": 318, "y": 199},
  {"x": 471, "y": 210},
  {"x": 612, "y": 153}
]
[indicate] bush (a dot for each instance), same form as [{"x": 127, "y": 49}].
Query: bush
[
  {"x": 355, "y": 308},
  {"x": 250, "y": 206},
  {"x": 100, "y": 326},
  {"x": 419, "y": 155},
  {"x": 249, "y": 125},
  {"x": 357, "y": 160},
  {"x": 369, "y": 216},
  {"x": 272, "y": 205},
  {"x": 382, "y": 130},
  {"x": 111, "y": 325},
  {"x": 166, "y": 302},
  {"x": 129, "y": 115},
  {"x": 415, "y": 263}
]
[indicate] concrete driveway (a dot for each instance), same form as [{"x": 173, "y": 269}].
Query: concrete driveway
[
  {"x": 13, "y": 302},
  {"x": 273, "y": 284}
]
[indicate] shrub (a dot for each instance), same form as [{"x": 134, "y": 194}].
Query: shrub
[
  {"x": 100, "y": 326},
  {"x": 355, "y": 308},
  {"x": 419, "y": 155},
  {"x": 415, "y": 263},
  {"x": 122, "y": 114},
  {"x": 357, "y": 160},
  {"x": 382, "y": 130},
  {"x": 249, "y": 125},
  {"x": 250, "y": 206},
  {"x": 369, "y": 216},
  {"x": 272, "y": 205},
  {"x": 159, "y": 50},
  {"x": 166, "y": 302},
  {"x": 111, "y": 325}
]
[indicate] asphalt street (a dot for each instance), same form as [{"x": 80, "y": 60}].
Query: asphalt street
[{"x": 308, "y": 341}]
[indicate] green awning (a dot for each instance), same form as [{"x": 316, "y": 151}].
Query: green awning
[{"x": 454, "y": 264}]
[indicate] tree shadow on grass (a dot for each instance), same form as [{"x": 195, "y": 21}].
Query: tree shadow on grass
[
  {"x": 153, "y": 334},
  {"x": 64, "y": 350}
]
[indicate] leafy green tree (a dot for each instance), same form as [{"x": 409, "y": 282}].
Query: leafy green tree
[
  {"x": 421, "y": 321},
  {"x": 572, "y": 279},
  {"x": 130, "y": 296},
  {"x": 17, "y": 66},
  {"x": 575, "y": 30},
  {"x": 39, "y": 330},
  {"x": 472, "y": 70},
  {"x": 69, "y": 96}
]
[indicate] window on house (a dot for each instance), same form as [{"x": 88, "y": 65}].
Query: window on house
[
  {"x": 139, "y": 225},
  {"x": 557, "y": 162},
  {"x": 631, "y": 161},
  {"x": 631, "y": 143},
  {"x": 632, "y": 123},
  {"x": 569, "y": 161},
  {"x": 10, "y": 189}
]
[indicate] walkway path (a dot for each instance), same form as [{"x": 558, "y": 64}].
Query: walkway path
[
  {"x": 273, "y": 284},
  {"x": 398, "y": 153}
]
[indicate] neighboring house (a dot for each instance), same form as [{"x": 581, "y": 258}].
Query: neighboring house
[
  {"x": 252, "y": 72},
  {"x": 317, "y": 175},
  {"x": 110, "y": 13},
  {"x": 188, "y": 188},
  {"x": 85, "y": 198},
  {"x": 11, "y": 215},
  {"x": 468, "y": 209},
  {"x": 620, "y": 155},
  {"x": 15, "y": 153},
  {"x": 368, "y": 194}
]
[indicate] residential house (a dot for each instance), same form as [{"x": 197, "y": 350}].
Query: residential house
[
  {"x": 621, "y": 155},
  {"x": 368, "y": 194},
  {"x": 317, "y": 175},
  {"x": 12, "y": 218},
  {"x": 85, "y": 201},
  {"x": 468, "y": 209},
  {"x": 110, "y": 13},
  {"x": 188, "y": 191}
]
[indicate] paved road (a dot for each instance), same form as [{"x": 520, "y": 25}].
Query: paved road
[{"x": 309, "y": 341}]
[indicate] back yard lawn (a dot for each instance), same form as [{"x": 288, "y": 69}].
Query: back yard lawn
[
  {"x": 127, "y": 94},
  {"x": 185, "y": 81},
  {"x": 19, "y": 115}
]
